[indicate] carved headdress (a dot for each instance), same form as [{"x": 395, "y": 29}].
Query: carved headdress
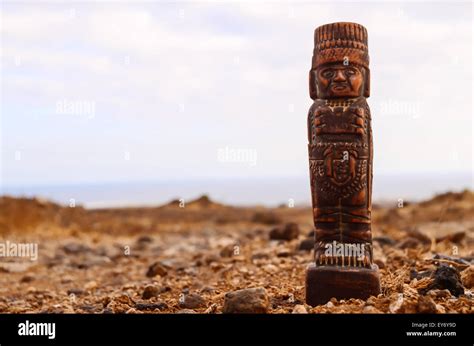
[{"x": 343, "y": 43}]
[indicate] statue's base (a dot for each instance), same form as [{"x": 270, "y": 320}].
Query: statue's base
[{"x": 325, "y": 282}]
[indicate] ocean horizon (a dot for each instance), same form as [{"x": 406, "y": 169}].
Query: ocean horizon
[{"x": 268, "y": 192}]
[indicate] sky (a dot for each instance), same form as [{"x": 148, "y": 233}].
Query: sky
[{"x": 123, "y": 91}]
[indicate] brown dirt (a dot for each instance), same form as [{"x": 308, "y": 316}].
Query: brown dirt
[{"x": 97, "y": 261}]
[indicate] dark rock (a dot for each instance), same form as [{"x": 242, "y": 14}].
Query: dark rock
[
  {"x": 192, "y": 301},
  {"x": 288, "y": 232},
  {"x": 267, "y": 218},
  {"x": 157, "y": 268},
  {"x": 306, "y": 244},
  {"x": 151, "y": 306},
  {"x": 27, "y": 279},
  {"x": 446, "y": 278},
  {"x": 250, "y": 300},
  {"x": 145, "y": 239}
]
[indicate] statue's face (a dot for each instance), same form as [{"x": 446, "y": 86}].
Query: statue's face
[{"x": 339, "y": 80}]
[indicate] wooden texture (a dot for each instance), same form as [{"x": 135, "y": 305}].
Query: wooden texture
[{"x": 340, "y": 161}]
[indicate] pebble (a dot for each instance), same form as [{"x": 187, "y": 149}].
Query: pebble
[
  {"x": 287, "y": 232},
  {"x": 27, "y": 279},
  {"x": 151, "y": 291},
  {"x": 267, "y": 218},
  {"x": 299, "y": 309},
  {"x": 192, "y": 301},
  {"x": 151, "y": 306},
  {"x": 155, "y": 269},
  {"x": 249, "y": 300},
  {"x": 306, "y": 244},
  {"x": 447, "y": 278},
  {"x": 467, "y": 277}
]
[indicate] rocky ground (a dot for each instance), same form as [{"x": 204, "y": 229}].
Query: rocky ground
[{"x": 204, "y": 257}]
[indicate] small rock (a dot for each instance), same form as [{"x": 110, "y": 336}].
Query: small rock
[
  {"x": 267, "y": 218},
  {"x": 192, "y": 301},
  {"x": 288, "y": 232},
  {"x": 120, "y": 303},
  {"x": 228, "y": 251},
  {"x": 75, "y": 291},
  {"x": 151, "y": 291},
  {"x": 75, "y": 248},
  {"x": 144, "y": 239},
  {"x": 467, "y": 277},
  {"x": 370, "y": 301},
  {"x": 27, "y": 279},
  {"x": 299, "y": 309},
  {"x": 155, "y": 269},
  {"x": 151, "y": 306},
  {"x": 306, "y": 244},
  {"x": 426, "y": 305},
  {"x": 250, "y": 300}
]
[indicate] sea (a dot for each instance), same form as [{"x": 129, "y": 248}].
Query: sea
[{"x": 269, "y": 192}]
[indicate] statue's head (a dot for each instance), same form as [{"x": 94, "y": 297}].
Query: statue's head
[{"x": 340, "y": 67}]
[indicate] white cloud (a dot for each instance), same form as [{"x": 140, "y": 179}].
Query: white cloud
[{"x": 167, "y": 85}]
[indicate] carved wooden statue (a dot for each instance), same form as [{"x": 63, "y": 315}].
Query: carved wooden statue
[{"x": 340, "y": 161}]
